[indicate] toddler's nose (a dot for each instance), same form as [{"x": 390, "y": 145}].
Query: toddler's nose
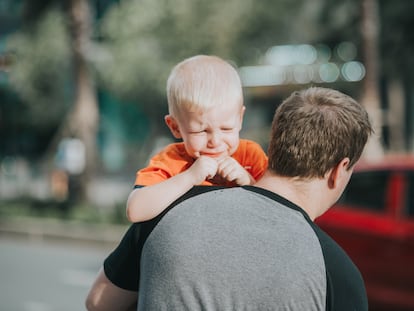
[{"x": 214, "y": 139}]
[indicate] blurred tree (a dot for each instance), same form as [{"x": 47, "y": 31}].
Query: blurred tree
[
  {"x": 52, "y": 48},
  {"x": 397, "y": 48},
  {"x": 370, "y": 29},
  {"x": 83, "y": 120},
  {"x": 40, "y": 78}
]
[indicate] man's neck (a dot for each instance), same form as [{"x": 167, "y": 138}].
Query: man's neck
[{"x": 307, "y": 194}]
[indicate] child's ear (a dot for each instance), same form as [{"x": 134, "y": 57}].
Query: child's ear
[
  {"x": 242, "y": 115},
  {"x": 172, "y": 125}
]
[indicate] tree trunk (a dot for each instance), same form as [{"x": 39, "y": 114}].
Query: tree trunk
[
  {"x": 370, "y": 98},
  {"x": 395, "y": 116},
  {"x": 83, "y": 121}
]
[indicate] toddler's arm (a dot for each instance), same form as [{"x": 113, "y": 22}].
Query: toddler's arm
[{"x": 147, "y": 202}]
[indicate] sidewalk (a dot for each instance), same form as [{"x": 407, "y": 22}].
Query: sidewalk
[
  {"x": 39, "y": 229},
  {"x": 107, "y": 192}
]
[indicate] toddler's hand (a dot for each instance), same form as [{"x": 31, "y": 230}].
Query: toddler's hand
[
  {"x": 203, "y": 168},
  {"x": 231, "y": 170}
]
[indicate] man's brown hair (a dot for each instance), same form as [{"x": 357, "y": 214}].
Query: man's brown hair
[{"x": 313, "y": 130}]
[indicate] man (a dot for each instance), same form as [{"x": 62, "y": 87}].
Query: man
[{"x": 252, "y": 247}]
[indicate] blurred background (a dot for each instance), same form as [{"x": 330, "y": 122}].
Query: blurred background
[{"x": 82, "y": 91}]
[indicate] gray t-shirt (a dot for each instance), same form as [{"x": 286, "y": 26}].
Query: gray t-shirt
[{"x": 241, "y": 248}]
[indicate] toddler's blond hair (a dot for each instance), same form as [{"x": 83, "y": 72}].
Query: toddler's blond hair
[{"x": 201, "y": 82}]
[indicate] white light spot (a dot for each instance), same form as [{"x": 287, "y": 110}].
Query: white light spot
[
  {"x": 329, "y": 72},
  {"x": 346, "y": 51},
  {"x": 353, "y": 71},
  {"x": 262, "y": 75}
]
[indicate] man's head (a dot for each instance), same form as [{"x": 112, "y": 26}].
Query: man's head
[
  {"x": 313, "y": 130},
  {"x": 205, "y": 101}
]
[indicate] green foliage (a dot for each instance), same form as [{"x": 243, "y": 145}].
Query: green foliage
[
  {"x": 25, "y": 208},
  {"x": 40, "y": 72},
  {"x": 144, "y": 39}
]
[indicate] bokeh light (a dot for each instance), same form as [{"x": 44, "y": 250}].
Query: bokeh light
[
  {"x": 353, "y": 71},
  {"x": 329, "y": 72}
]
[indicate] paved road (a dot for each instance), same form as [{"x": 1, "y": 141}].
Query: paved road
[{"x": 45, "y": 276}]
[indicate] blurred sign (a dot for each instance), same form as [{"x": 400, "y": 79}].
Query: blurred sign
[{"x": 71, "y": 156}]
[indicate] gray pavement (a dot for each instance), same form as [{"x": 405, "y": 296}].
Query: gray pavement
[
  {"x": 45, "y": 275},
  {"x": 50, "y": 264}
]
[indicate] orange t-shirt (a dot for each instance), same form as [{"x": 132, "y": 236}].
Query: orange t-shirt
[{"x": 174, "y": 159}]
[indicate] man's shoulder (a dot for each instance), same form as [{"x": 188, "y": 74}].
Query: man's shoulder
[{"x": 193, "y": 192}]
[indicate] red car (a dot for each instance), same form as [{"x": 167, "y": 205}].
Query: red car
[{"x": 374, "y": 222}]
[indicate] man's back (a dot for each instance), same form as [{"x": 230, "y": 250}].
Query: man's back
[{"x": 237, "y": 251}]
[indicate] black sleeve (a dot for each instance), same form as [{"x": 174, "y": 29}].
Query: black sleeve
[
  {"x": 121, "y": 266},
  {"x": 345, "y": 286}
]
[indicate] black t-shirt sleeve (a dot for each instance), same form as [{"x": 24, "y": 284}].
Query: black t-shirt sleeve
[
  {"x": 122, "y": 265},
  {"x": 345, "y": 286}
]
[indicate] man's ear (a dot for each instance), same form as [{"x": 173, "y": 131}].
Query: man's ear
[
  {"x": 173, "y": 126},
  {"x": 340, "y": 174}
]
